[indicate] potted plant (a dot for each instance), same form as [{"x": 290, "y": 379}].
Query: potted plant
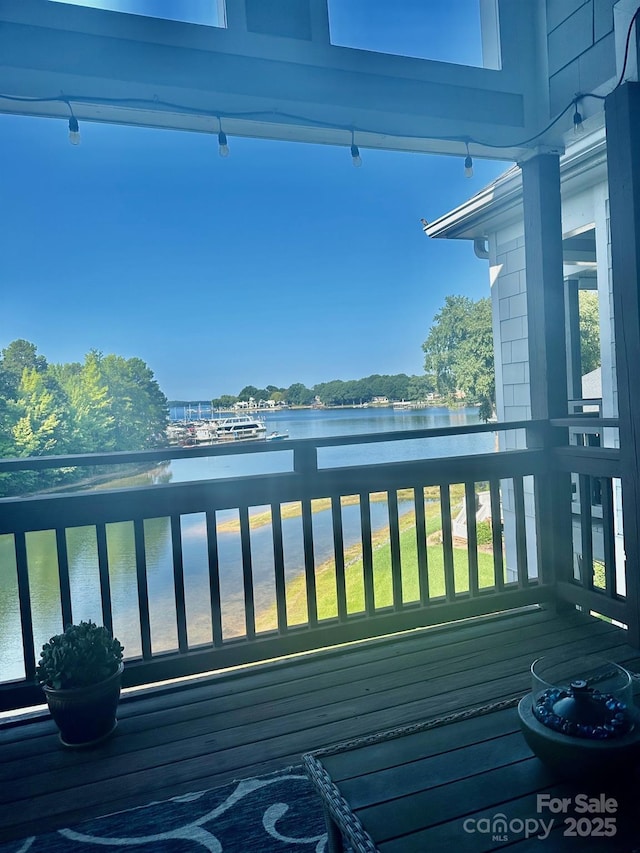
[{"x": 80, "y": 672}]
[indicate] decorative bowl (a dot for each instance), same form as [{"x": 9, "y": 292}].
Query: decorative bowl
[{"x": 580, "y": 718}]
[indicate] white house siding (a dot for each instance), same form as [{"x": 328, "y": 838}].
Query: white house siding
[
  {"x": 581, "y": 48},
  {"x": 509, "y": 301}
]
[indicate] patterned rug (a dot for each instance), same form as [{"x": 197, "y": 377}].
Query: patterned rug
[{"x": 269, "y": 814}]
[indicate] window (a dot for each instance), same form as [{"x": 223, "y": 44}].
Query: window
[
  {"x": 447, "y": 32},
  {"x": 208, "y": 12}
]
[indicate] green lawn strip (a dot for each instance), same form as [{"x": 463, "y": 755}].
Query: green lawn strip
[
  {"x": 261, "y": 517},
  {"x": 326, "y": 582}
]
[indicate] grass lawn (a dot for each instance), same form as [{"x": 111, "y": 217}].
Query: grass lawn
[{"x": 383, "y": 596}]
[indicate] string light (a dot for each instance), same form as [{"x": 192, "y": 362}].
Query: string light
[
  {"x": 74, "y": 131},
  {"x": 468, "y": 164},
  {"x": 223, "y": 148},
  {"x": 356, "y": 159},
  {"x": 578, "y": 126},
  {"x": 270, "y": 115}
]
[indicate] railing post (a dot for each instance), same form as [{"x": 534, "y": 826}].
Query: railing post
[
  {"x": 547, "y": 356},
  {"x": 305, "y": 459},
  {"x": 622, "y": 111}
]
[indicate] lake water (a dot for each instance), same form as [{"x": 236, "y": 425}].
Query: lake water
[{"x": 82, "y": 551}]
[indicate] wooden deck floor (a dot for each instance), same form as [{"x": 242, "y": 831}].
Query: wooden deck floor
[{"x": 230, "y": 726}]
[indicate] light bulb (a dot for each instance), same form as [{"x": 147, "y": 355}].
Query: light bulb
[
  {"x": 74, "y": 131},
  {"x": 223, "y": 148},
  {"x": 468, "y": 166},
  {"x": 356, "y": 159},
  {"x": 578, "y": 127}
]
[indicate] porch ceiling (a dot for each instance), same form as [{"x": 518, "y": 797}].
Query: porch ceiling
[{"x": 127, "y": 69}]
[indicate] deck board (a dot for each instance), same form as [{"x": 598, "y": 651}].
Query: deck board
[{"x": 228, "y": 726}]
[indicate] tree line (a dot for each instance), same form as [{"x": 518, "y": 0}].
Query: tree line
[
  {"x": 337, "y": 392},
  {"x": 105, "y": 403},
  {"x": 458, "y": 362}
]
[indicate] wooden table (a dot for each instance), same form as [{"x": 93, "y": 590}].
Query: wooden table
[{"x": 467, "y": 782}]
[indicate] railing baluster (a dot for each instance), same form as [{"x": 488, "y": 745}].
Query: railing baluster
[
  {"x": 421, "y": 545},
  {"x": 338, "y": 551},
  {"x": 447, "y": 543},
  {"x": 214, "y": 579},
  {"x": 586, "y": 535},
  {"x": 143, "y": 590},
  {"x": 606, "y": 486},
  {"x": 367, "y": 554},
  {"x": 247, "y": 573},
  {"x": 521, "y": 532},
  {"x": 394, "y": 542},
  {"x": 63, "y": 574},
  {"x": 24, "y": 598},
  {"x": 103, "y": 571},
  {"x": 472, "y": 537},
  {"x": 278, "y": 566},
  {"x": 178, "y": 583},
  {"x": 309, "y": 563},
  {"x": 496, "y": 533}
]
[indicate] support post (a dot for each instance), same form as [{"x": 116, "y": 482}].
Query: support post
[
  {"x": 547, "y": 356},
  {"x": 622, "y": 113}
]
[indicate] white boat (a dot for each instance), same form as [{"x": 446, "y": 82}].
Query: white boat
[
  {"x": 277, "y": 436},
  {"x": 241, "y": 427}
]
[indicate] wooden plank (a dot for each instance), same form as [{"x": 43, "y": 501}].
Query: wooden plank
[
  {"x": 447, "y": 543},
  {"x": 586, "y": 532},
  {"x": 338, "y": 551},
  {"x": 214, "y": 579},
  {"x": 178, "y": 583},
  {"x": 103, "y": 572},
  {"x": 496, "y": 534},
  {"x": 367, "y": 554},
  {"x": 24, "y": 598},
  {"x": 309, "y": 563},
  {"x": 143, "y": 589},
  {"x": 394, "y": 544},
  {"x": 608, "y": 535},
  {"x": 247, "y": 573},
  {"x": 421, "y": 545},
  {"x": 592, "y": 599},
  {"x": 521, "y": 532},
  {"x": 595, "y": 461},
  {"x": 63, "y": 575},
  {"x": 278, "y": 565},
  {"x": 472, "y": 537}
]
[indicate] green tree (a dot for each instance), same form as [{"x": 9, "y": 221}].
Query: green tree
[
  {"x": 589, "y": 330},
  {"x": 459, "y": 351},
  {"x": 20, "y": 354},
  {"x": 91, "y": 421},
  {"x": 299, "y": 395},
  {"x": 247, "y": 392},
  {"x": 41, "y": 428},
  {"x": 420, "y": 387},
  {"x": 225, "y": 401},
  {"x": 137, "y": 405}
]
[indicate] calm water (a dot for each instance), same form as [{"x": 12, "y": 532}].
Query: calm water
[{"x": 83, "y": 561}]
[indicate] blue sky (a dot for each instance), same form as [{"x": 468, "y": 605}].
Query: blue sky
[{"x": 279, "y": 264}]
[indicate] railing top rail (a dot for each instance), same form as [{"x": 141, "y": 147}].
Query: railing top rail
[
  {"x": 42, "y": 512},
  {"x": 585, "y": 420},
  {"x": 37, "y": 463}
]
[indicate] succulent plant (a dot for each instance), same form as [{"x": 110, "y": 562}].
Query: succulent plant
[{"x": 84, "y": 654}]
